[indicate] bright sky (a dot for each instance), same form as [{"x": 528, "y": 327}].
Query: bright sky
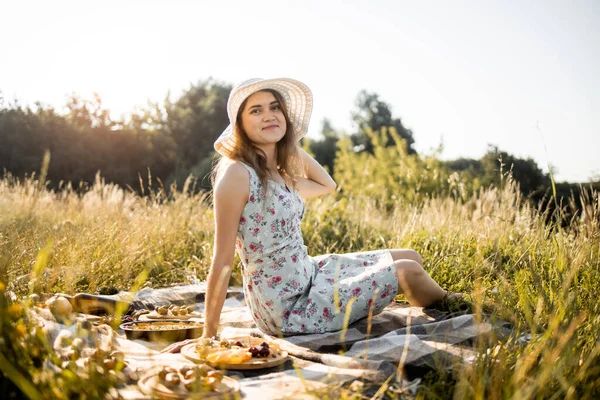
[{"x": 519, "y": 74}]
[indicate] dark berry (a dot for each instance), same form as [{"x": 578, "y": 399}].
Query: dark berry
[
  {"x": 264, "y": 344},
  {"x": 255, "y": 352},
  {"x": 264, "y": 352},
  {"x": 239, "y": 344}
]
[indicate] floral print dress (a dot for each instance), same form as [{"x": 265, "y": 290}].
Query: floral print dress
[{"x": 289, "y": 291}]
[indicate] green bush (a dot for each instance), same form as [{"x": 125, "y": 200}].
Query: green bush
[{"x": 389, "y": 174}]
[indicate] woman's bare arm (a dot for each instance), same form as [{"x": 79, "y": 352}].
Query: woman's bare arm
[
  {"x": 229, "y": 196},
  {"x": 317, "y": 181}
]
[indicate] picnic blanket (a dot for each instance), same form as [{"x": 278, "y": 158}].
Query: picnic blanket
[{"x": 402, "y": 342}]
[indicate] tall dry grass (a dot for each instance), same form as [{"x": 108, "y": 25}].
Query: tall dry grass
[
  {"x": 537, "y": 272},
  {"x": 103, "y": 238}
]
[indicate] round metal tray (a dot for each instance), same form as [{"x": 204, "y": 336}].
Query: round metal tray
[{"x": 187, "y": 330}]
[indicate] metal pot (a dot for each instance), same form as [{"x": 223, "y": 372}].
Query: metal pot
[{"x": 187, "y": 330}]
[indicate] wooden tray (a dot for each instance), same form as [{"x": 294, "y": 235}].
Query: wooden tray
[
  {"x": 189, "y": 351},
  {"x": 150, "y": 385}
]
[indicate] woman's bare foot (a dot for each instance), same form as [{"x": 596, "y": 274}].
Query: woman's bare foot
[{"x": 453, "y": 302}]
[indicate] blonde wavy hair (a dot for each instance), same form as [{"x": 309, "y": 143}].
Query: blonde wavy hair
[{"x": 289, "y": 163}]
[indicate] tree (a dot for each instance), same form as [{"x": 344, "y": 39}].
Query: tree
[
  {"x": 88, "y": 113},
  {"x": 81, "y": 142},
  {"x": 196, "y": 120},
  {"x": 371, "y": 112},
  {"x": 495, "y": 164},
  {"x": 324, "y": 149}
]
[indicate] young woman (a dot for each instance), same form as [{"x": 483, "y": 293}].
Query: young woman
[{"x": 259, "y": 184}]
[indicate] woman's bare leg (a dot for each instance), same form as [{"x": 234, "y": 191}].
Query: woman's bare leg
[
  {"x": 406, "y": 254},
  {"x": 416, "y": 285}
]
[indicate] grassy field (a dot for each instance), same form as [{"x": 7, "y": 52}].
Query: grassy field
[{"x": 533, "y": 270}]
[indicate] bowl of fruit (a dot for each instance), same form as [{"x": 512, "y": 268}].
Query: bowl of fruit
[{"x": 188, "y": 382}]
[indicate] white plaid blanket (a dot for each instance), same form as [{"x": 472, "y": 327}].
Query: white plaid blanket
[{"x": 403, "y": 342}]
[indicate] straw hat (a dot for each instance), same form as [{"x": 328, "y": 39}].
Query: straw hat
[{"x": 296, "y": 95}]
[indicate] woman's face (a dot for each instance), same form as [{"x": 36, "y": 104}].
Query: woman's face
[{"x": 263, "y": 119}]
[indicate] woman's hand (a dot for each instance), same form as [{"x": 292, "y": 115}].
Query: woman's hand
[
  {"x": 229, "y": 197},
  {"x": 317, "y": 181},
  {"x": 177, "y": 346}
]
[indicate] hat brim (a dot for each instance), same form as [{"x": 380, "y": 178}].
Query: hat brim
[{"x": 296, "y": 95}]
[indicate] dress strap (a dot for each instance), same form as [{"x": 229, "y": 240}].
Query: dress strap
[
  {"x": 249, "y": 168},
  {"x": 253, "y": 174}
]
